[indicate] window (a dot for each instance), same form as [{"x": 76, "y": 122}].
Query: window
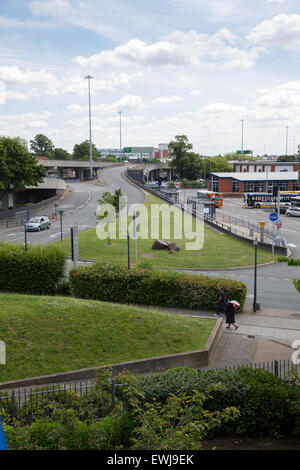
[
  {"x": 235, "y": 186},
  {"x": 214, "y": 184}
]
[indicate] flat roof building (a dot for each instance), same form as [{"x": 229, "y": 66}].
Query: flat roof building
[{"x": 238, "y": 183}]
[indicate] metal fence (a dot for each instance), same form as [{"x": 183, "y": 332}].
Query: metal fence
[
  {"x": 27, "y": 405},
  {"x": 280, "y": 369}
]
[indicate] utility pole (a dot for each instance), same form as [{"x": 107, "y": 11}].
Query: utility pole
[
  {"x": 120, "y": 112},
  {"x": 90, "y": 125},
  {"x": 242, "y": 148}
]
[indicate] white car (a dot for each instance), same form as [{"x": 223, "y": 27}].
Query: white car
[
  {"x": 38, "y": 224},
  {"x": 293, "y": 212}
]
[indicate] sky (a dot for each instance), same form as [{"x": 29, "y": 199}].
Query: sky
[{"x": 218, "y": 71}]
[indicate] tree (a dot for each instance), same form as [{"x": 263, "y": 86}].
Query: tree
[
  {"x": 42, "y": 146},
  {"x": 111, "y": 158},
  {"x": 82, "y": 151},
  {"x": 287, "y": 158},
  {"x": 183, "y": 161},
  {"x": 18, "y": 168},
  {"x": 61, "y": 154},
  {"x": 214, "y": 164}
]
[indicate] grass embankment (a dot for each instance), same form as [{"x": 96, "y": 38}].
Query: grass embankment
[
  {"x": 218, "y": 251},
  {"x": 45, "y": 335}
]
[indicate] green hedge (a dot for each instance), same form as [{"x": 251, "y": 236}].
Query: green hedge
[
  {"x": 268, "y": 405},
  {"x": 35, "y": 271},
  {"x": 114, "y": 283}
]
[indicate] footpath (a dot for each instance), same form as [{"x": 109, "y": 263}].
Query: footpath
[{"x": 264, "y": 336}]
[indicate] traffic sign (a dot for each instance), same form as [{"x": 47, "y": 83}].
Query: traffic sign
[
  {"x": 273, "y": 216},
  {"x": 278, "y": 224}
]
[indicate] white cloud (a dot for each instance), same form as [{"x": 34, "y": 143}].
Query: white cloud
[
  {"x": 13, "y": 75},
  {"x": 167, "y": 99},
  {"x": 178, "y": 49},
  {"x": 196, "y": 92},
  {"x": 283, "y": 30}
]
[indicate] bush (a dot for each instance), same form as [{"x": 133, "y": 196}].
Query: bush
[
  {"x": 67, "y": 432},
  {"x": 193, "y": 184},
  {"x": 35, "y": 271},
  {"x": 114, "y": 283},
  {"x": 268, "y": 405}
]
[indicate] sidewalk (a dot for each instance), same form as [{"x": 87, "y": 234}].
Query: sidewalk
[{"x": 264, "y": 336}]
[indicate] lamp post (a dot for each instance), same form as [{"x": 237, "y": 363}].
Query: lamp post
[
  {"x": 60, "y": 211},
  {"x": 25, "y": 236},
  {"x": 242, "y": 146},
  {"x": 90, "y": 126},
  {"x": 286, "y": 140},
  {"x": 120, "y": 112},
  {"x": 255, "y": 274}
]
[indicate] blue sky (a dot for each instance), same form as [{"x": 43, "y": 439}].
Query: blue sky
[{"x": 189, "y": 67}]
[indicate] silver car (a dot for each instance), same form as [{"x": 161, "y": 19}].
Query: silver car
[
  {"x": 38, "y": 224},
  {"x": 293, "y": 211}
]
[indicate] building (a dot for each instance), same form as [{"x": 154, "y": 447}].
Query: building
[
  {"x": 237, "y": 183},
  {"x": 161, "y": 153},
  {"x": 263, "y": 166}
]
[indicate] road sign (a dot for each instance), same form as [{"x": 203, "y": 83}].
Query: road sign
[
  {"x": 262, "y": 224},
  {"x": 273, "y": 216},
  {"x": 278, "y": 224}
]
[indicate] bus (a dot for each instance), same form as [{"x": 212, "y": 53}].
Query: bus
[
  {"x": 267, "y": 200},
  {"x": 210, "y": 196},
  {"x": 295, "y": 201}
]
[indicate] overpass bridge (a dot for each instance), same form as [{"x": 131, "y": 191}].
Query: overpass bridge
[{"x": 74, "y": 169}]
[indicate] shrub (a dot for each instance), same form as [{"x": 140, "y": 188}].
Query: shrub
[
  {"x": 268, "y": 405},
  {"x": 114, "y": 283},
  {"x": 35, "y": 271}
]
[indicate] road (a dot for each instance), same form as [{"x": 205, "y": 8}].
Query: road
[
  {"x": 79, "y": 208},
  {"x": 274, "y": 286},
  {"x": 274, "y": 282}
]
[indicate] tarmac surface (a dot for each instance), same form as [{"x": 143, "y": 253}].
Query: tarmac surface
[{"x": 266, "y": 335}]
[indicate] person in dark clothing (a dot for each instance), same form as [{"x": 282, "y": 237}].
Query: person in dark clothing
[
  {"x": 221, "y": 302},
  {"x": 230, "y": 315}
]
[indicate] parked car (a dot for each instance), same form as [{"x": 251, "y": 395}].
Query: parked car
[
  {"x": 293, "y": 212},
  {"x": 284, "y": 208},
  {"x": 38, "y": 224}
]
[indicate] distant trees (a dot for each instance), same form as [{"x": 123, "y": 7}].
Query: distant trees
[
  {"x": 42, "y": 146},
  {"x": 287, "y": 158},
  {"x": 82, "y": 151},
  {"x": 61, "y": 154},
  {"x": 18, "y": 168},
  {"x": 190, "y": 165}
]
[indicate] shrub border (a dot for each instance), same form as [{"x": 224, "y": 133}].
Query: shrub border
[{"x": 193, "y": 359}]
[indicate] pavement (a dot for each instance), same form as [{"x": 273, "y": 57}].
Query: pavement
[{"x": 266, "y": 335}]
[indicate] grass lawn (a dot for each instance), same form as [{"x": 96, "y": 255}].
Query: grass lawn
[
  {"x": 219, "y": 250},
  {"x": 45, "y": 335}
]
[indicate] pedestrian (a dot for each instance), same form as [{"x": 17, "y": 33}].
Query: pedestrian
[
  {"x": 221, "y": 302},
  {"x": 230, "y": 313}
]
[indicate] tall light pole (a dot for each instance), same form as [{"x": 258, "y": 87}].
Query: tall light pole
[
  {"x": 286, "y": 140},
  {"x": 90, "y": 123},
  {"x": 242, "y": 120},
  {"x": 120, "y": 112}
]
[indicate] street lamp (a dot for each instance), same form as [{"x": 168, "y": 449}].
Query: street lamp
[
  {"x": 120, "y": 112},
  {"x": 60, "y": 211},
  {"x": 90, "y": 123},
  {"x": 255, "y": 274},
  {"x": 242, "y": 147},
  {"x": 286, "y": 140}
]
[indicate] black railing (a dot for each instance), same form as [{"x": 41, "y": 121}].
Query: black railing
[{"x": 27, "y": 405}]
